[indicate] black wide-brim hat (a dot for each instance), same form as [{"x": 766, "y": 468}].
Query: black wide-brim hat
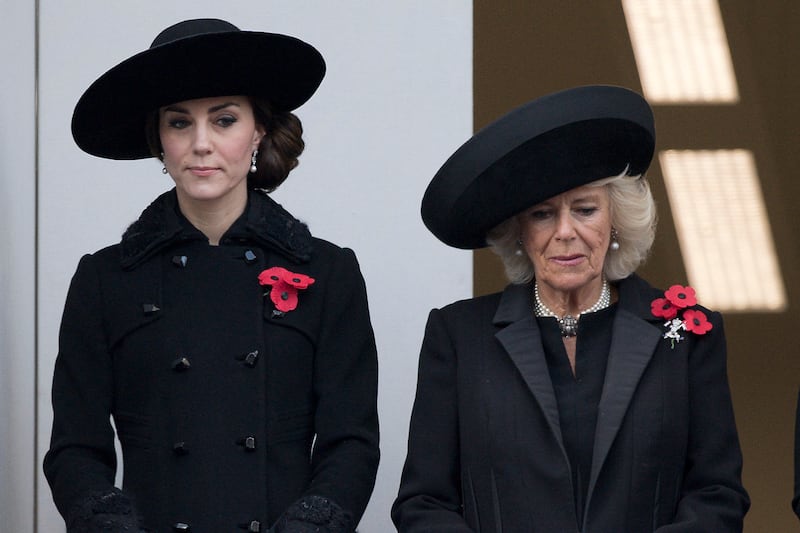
[
  {"x": 192, "y": 59},
  {"x": 546, "y": 147}
]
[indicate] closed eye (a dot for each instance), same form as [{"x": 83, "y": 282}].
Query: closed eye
[{"x": 540, "y": 214}]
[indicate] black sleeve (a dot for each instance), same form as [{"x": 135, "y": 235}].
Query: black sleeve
[
  {"x": 430, "y": 488},
  {"x": 81, "y": 463}
]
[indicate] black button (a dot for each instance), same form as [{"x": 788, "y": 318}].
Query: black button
[
  {"x": 180, "y": 526},
  {"x": 149, "y": 309},
  {"x": 249, "y": 443},
  {"x": 251, "y": 359},
  {"x": 181, "y": 364},
  {"x": 179, "y": 448},
  {"x": 250, "y": 257},
  {"x": 180, "y": 260},
  {"x": 284, "y": 295}
]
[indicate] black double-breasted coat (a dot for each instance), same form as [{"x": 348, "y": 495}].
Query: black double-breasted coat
[
  {"x": 486, "y": 451},
  {"x": 228, "y": 413}
]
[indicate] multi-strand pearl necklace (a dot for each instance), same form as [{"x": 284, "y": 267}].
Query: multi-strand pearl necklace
[{"x": 569, "y": 324}]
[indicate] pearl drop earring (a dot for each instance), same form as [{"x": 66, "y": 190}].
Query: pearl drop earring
[
  {"x": 614, "y": 246},
  {"x": 253, "y": 167}
]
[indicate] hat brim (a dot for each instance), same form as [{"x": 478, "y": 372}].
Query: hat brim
[
  {"x": 109, "y": 119},
  {"x": 537, "y": 151}
]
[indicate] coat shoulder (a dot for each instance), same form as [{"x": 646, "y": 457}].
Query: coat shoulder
[
  {"x": 326, "y": 250},
  {"x": 478, "y": 310},
  {"x": 104, "y": 263},
  {"x": 329, "y": 259}
]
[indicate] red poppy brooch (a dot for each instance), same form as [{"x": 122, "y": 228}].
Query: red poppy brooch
[
  {"x": 678, "y": 299},
  {"x": 283, "y": 286}
]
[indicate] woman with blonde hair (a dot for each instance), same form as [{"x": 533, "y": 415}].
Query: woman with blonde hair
[{"x": 580, "y": 398}]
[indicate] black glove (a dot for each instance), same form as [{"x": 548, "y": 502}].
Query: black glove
[
  {"x": 109, "y": 512},
  {"x": 314, "y": 514}
]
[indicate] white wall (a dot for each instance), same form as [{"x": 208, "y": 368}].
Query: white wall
[
  {"x": 17, "y": 266},
  {"x": 397, "y": 100}
]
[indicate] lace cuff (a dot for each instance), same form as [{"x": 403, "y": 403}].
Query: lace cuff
[
  {"x": 104, "y": 512},
  {"x": 317, "y": 514}
]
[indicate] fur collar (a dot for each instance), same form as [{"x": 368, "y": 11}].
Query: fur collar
[{"x": 264, "y": 222}]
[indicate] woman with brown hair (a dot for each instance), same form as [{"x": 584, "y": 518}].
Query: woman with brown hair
[{"x": 231, "y": 348}]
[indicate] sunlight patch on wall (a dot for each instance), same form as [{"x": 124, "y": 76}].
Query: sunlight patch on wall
[
  {"x": 723, "y": 229},
  {"x": 681, "y": 51}
]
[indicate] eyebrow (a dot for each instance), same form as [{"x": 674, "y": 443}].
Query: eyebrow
[
  {"x": 212, "y": 109},
  {"x": 588, "y": 197}
]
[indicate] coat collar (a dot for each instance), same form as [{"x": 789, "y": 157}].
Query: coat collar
[
  {"x": 635, "y": 296},
  {"x": 635, "y": 337},
  {"x": 264, "y": 221}
]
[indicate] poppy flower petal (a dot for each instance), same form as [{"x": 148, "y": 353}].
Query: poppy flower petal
[
  {"x": 680, "y": 296},
  {"x": 272, "y": 275},
  {"x": 696, "y": 322},
  {"x": 284, "y": 296},
  {"x": 300, "y": 281},
  {"x": 663, "y": 308}
]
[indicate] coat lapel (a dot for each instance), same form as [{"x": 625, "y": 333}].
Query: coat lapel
[
  {"x": 522, "y": 341},
  {"x": 635, "y": 337},
  {"x": 634, "y": 340}
]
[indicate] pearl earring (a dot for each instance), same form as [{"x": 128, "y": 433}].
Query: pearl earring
[
  {"x": 614, "y": 246},
  {"x": 163, "y": 167},
  {"x": 518, "y": 251},
  {"x": 253, "y": 167}
]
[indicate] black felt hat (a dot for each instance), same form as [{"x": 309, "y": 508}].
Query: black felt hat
[
  {"x": 539, "y": 150},
  {"x": 192, "y": 59}
]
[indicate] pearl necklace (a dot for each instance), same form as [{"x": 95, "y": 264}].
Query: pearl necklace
[{"x": 569, "y": 324}]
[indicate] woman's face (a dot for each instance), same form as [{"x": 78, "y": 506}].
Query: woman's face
[
  {"x": 567, "y": 237},
  {"x": 207, "y": 146}
]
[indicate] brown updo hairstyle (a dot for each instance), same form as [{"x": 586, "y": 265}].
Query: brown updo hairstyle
[{"x": 278, "y": 151}]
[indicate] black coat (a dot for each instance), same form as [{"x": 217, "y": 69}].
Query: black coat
[
  {"x": 228, "y": 413},
  {"x": 485, "y": 446}
]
